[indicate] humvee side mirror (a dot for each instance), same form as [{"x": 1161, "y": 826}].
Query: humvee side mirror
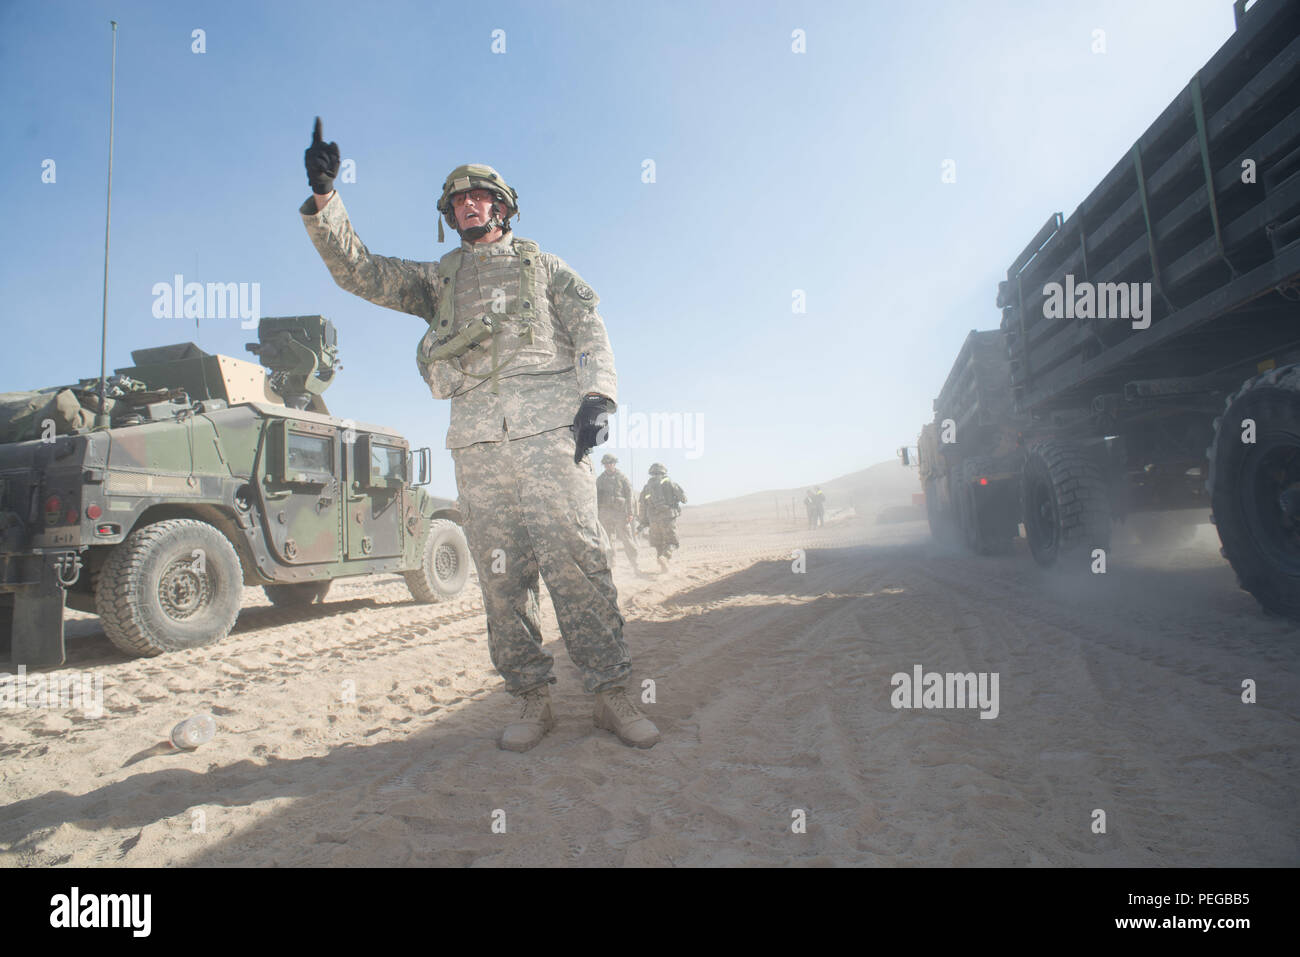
[
  {"x": 424, "y": 468},
  {"x": 902, "y": 453}
]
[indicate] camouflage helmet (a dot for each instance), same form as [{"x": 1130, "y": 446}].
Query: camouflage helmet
[
  {"x": 658, "y": 469},
  {"x": 608, "y": 459},
  {"x": 469, "y": 176}
]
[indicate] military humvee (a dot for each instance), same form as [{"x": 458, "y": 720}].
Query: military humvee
[{"x": 202, "y": 474}]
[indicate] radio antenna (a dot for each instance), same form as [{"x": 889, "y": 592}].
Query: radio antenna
[{"x": 101, "y": 417}]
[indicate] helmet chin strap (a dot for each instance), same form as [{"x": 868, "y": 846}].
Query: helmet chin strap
[{"x": 475, "y": 233}]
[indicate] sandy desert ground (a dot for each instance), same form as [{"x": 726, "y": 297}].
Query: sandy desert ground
[{"x": 1119, "y": 692}]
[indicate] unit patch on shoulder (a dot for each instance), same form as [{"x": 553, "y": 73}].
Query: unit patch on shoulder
[{"x": 583, "y": 292}]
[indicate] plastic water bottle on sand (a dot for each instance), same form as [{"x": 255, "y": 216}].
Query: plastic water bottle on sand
[{"x": 192, "y": 732}]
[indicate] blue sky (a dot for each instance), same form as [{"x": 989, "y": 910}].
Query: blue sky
[{"x": 775, "y": 171}]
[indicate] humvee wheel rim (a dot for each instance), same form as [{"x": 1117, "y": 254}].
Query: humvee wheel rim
[
  {"x": 445, "y": 562},
  {"x": 182, "y": 590}
]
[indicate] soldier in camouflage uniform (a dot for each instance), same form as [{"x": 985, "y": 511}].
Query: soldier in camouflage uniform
[
  {"x": 614, "y": 500},
  {"x": 659, "y": 510},
  {"x": 527, "y": 495}
]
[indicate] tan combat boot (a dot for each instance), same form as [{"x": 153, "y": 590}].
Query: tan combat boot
[
  {"x": 535, "y": 719},
  {"x": 616, "y": 712}
]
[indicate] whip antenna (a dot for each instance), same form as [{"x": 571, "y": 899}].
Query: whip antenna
[{"x": 101, "y": 418}]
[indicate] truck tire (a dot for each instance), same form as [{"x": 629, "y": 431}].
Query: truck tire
[
  {"x": 1255, "y": 488},
  {"x": 444, "y": 567},
  {"x": 985, "y": 528},
  {"x": 943, "y": 524},
  {"x": 296, "y": 594},
  {"x": 169, "y": 586},
  {"x": 1064, "y": 501}
]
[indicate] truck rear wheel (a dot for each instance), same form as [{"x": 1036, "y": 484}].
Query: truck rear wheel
[
  {"x": 444, "y": 567},
  {"x": 1255, "y": 488},
  {"x": 1064, "y": 502},
  {"x": 296, "y": 594},
  {"x": 172, "y": 585}
]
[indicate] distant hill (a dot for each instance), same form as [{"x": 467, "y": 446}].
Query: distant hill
[{"x": 883, "y": 485}]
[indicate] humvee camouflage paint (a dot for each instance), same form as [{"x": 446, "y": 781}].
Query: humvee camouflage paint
[{"x": 210, "y": 475}]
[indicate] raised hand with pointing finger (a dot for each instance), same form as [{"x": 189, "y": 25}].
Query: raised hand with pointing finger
[{"x": 322, "y": 161}]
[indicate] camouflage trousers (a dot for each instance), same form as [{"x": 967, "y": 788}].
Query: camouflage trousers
[
  {"x": 614, "y": 521},
  {"x": 528, "y": 510},
  {"x": 663, "y": 529},
  {"x": 663, "y": 536}
]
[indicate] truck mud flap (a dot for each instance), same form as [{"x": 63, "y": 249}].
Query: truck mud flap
[{"x": 32, "y": 622}]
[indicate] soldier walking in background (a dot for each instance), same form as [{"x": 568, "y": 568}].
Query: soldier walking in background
[
  {"x": 810, "y": 506},
  {"x": 819, "y": 505},
  {"x": 614, "y": 500},
  {"x": 514, "y": 340},
  {"x": 659, "y": 508}
]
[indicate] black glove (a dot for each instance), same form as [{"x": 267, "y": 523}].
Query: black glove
[
  {"x": 322, "y": 160},
  {"x": 591, "y": 425}
]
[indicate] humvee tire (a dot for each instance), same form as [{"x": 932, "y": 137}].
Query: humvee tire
[
  {"x": 1255, "y": 488},
  {"x": 296, "y": 594},
  {"x": 169, "y": 586},
  {"x": 445, "y": 565},
  {"x": 1064, "y": 502}
]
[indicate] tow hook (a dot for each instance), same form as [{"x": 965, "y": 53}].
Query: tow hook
[{"x": 67, "y": 566}]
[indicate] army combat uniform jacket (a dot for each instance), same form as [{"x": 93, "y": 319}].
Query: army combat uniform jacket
[
  {"x": 527, "y": 508},
  {"x": 615, "y": 505},
  {"x": 614, "y": 493},
  {"x": 550, "y": 347},
  {"x": 660, "y": 498},
  {"x": 659, "y": 509}
]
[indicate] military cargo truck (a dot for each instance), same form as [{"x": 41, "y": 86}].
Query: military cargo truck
[
  {"x": 969, "y": 457},
  {"x": 207, "y": 474},
  {"x": 1145, "y": 368}
]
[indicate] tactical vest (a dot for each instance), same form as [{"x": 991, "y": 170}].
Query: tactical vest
[
  {"x": 611, "y": 493},
  {"x": 524, "y": 313},
  {"x": 663, "y": 493}
]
